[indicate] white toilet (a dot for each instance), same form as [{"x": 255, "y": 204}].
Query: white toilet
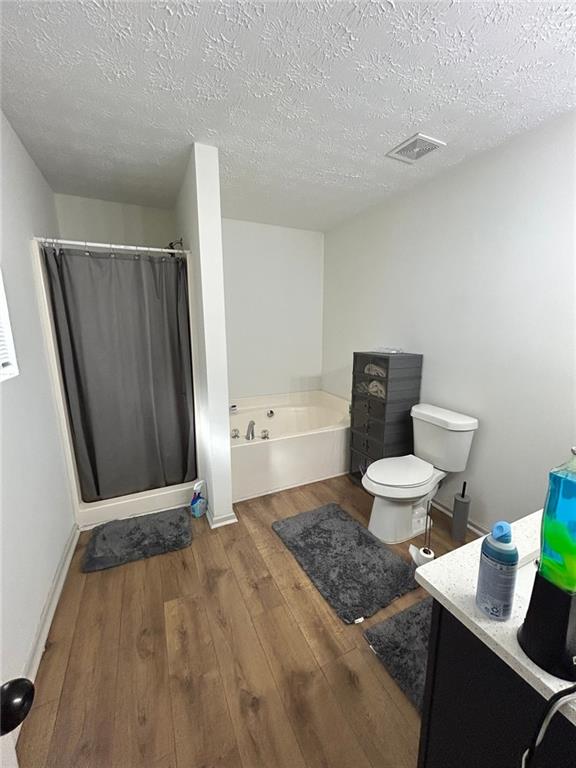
[{"x": 403, "y": 486}]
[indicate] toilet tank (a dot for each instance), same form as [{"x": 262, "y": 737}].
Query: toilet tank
[{"x": 442, "y": 437}]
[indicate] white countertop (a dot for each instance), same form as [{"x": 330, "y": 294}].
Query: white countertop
[{"x": 451, "y": 580}]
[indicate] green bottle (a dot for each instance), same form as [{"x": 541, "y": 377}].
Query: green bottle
[{"x": 558, "y": 556}]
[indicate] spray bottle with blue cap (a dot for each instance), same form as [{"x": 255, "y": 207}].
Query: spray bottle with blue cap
[
  {"x": 497, "y": 574},
  {"x": 199, "y": 504}
]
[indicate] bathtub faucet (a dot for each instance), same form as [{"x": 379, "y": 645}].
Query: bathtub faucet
[{"x": 250, "y": 430}]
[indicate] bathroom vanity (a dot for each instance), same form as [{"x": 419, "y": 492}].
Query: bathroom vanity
[{"x": 484, "y": 697}]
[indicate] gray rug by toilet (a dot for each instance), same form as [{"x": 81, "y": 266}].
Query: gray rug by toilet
[
  {"x": 401, "y": 644},
  {"x": 122, "y": 541},
  {"x": 351, "y": 568}
]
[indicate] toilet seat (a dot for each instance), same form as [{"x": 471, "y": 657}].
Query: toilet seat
[
  {"x": 400, "y": 472},
  {"x": 408, "y": 469}
]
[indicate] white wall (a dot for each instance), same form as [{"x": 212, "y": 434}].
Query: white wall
[
  {"x": 101, "y": 221},
  {"x": 200, "y": 221},
  {"x": 37, "y": 516},
  {"x": 476, "y": 270},
  {"x": 273, "y": 283}
]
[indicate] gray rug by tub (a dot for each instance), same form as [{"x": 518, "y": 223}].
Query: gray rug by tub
[
  {"x": 351, "y": 568},
  {"x": 135, "y": 538},
  {"x": 401, "y": 644}
]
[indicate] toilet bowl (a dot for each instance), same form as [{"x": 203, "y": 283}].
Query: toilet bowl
[{"x": 403, "y": 486}]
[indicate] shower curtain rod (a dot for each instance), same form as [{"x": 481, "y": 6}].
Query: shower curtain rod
[{"x": 107, "y": 246}]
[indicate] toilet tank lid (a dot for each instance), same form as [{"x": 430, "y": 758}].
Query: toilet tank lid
[{"x": 457, "y": 422}]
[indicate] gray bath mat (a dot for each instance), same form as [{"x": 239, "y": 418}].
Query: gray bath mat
[
  {"x": 351, "y": 568},
  {"x": 135, "y": 538},
  {"x": 401, "y": 644}
]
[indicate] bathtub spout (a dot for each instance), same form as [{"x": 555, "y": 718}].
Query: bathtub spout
[{"x": 250, "y": 430}]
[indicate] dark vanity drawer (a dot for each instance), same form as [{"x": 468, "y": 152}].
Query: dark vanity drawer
[
  {"x": 369, "y": 386},
  {"x": 374, "y": 366},
  {"x": 370, "y": 407},
  {"x": 359, "y": 464},
  {"x": 359, "y": 419},
  {"x": 380, "y": 430},
  {"x": 403, "y": 389},
  {"x": 399, "y": 412},
  {"x": 401, "y": 447},
  {"x": 366, "y": 445}
]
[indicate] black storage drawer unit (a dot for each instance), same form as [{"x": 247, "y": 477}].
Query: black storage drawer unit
[
  {"x": 363, "y": 405},
  {"x": 385, "y": 386}
]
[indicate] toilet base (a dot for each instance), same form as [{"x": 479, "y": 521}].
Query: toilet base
[{"x": 396, "y": 520}]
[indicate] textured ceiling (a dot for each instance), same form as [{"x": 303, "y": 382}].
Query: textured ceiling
[{"x": 303, "y": 98}]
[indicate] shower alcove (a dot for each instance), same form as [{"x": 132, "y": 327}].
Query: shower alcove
[
  {"x": 127, "y": 234},
  {"x": 118, "y": 333}
]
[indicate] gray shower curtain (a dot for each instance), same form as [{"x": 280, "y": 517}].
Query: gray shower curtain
[{"x": 123, "y": 336}]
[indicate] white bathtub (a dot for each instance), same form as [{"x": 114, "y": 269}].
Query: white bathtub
[{"x": 308, "y": 442}]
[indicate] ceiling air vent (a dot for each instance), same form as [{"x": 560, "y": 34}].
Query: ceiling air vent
[{"x": 415, "y": 148}]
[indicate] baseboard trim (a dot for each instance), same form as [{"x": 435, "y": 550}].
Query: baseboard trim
[
  {"x": 472, "y": 526},
  {"x": 39, "y": 642},
  {"x": 219, "y": 522}
]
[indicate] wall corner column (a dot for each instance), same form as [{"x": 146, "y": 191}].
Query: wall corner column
[{"x": 200, "y": 221}]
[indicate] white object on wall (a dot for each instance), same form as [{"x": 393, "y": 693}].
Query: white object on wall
[
  {"x": 200, "y": 222},
  {"x": 273, "y": 285},
  {"x": 8, "y": 362},
  {"x": 476, "y": 271},
  {"x": 102, "y": 221}
]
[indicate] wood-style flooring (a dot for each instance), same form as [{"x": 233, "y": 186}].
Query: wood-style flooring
[{"x": 222, "y": 655}]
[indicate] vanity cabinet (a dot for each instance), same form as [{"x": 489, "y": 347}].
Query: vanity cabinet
[
  {"x": 478, "y": 712},
  {"x": 385, "y": 386}
]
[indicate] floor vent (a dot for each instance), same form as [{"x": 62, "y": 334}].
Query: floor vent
[{"x": 415, "y": 148}]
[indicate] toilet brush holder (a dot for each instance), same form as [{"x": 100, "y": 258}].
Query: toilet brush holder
[{"x": 460, "y": 515}]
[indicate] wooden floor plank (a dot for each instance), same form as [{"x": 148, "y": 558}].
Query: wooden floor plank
[
  {"x": 323, "y": 630},
  {"x": 258, "y": 588},
  {"x": 308, "y": 699},
  {"x": 221, "y": 655},
  {"x": 235, "y": 532},
  {"x": 143, "y": 733},
  {"x": 326, "y": 634},
  {"x": 204, "y": 735},
  {"x": 256, "y": 515},
  {"x": 263, "y": 735},
  {"x": 403, "y": 703},
  {"x": 388, "y": 737},
  {"x": 35, "y": 735},
  {"x": 179, "y": 574},
  {"x": 168, "y": 761},
  {"x": 52, "y": 670},
  {"x": 85, "y": 722},
  {"x": 200, "y": 528}
]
